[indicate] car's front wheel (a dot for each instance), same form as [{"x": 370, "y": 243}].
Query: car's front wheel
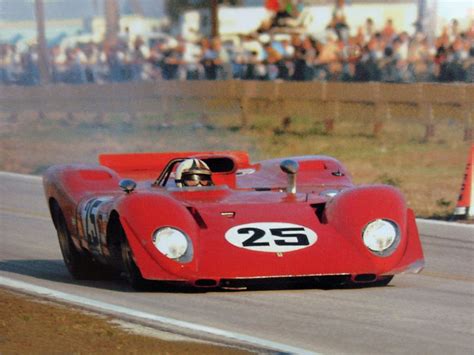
[
  {"x": 132, "y": 272},
  {"x": 383, "y": 281}
]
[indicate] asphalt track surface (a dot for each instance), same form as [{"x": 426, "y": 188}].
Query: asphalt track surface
[{"x": 432, "y": 312}]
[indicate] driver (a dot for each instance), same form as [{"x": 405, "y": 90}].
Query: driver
[{"x": 193, "y": 172}]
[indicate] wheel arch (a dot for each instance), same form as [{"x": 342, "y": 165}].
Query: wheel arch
[{"x": 114, "y": 238}]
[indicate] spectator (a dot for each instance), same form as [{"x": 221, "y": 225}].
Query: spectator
[
  {"x": 8, "y": 64},
  {"x": 191, "y": 57},
  {"x": 139, "y": 54},
  {"x": 299, "y": 59},
  {"x": 209, "y": 60},
  {"x": 223, "y": 59},
  {"x": 400, "y": 48},
  {"x": 338, "y": 21},
  {"x": 469, "y": 66},
  {"x": 30, "y": 68},
  {"x": 388, "y": 32},
  {"x": 389, "y": 66},
  {"x": 420, "y": 57},
  {"x": 368, "y": 30},
  {"x": 172, "y": 59},
  {"x": 350, "y": 55},
  {"x": 368, "y": 56},
  {"x": 454, "y": 70},
  {"x": 273, "y": 60},
  {"x": 285, "y": 70},
  {"x": 328, "y": 63},
  {"x": 310, "y": 55},
  {"x": 253, "y": 54},
  {"x": 58, "y": 65},
  {"x": 92, "y": 60}
]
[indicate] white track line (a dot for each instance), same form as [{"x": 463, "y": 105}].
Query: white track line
[
  {"x": 444, "y": 223},
  {"x": 139, "y": 315},
  {"x": 20, "y": 176}
]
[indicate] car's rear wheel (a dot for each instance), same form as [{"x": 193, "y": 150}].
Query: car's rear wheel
[
  {"x": 79, "y": 265},
  {"x": 132, "y": 272}
]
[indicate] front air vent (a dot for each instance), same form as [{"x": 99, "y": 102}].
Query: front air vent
[
  {"x": 319, "y": 211},
  {"x": 197, "y": 217}
]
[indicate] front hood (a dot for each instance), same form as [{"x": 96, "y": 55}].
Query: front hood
[
  {"x": 266, "y": 234},
  {"x": 218, "y": 195},
  {"x": 251, "y": 234}
]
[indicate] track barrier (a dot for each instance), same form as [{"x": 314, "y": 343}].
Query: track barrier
[{"x": 325, "y": 102}]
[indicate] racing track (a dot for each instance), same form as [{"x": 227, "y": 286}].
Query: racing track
[{"x": 432, "y": 312}]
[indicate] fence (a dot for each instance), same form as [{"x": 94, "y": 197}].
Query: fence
[{"x": 246, "y": 98}]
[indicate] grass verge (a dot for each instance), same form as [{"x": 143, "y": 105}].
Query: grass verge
[{"x": 32, "y": 326}]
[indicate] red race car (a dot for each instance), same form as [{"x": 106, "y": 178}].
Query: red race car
[{"x": 213, "y": 219}]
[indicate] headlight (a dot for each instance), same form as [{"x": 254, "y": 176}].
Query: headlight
[
  {"x": 173, "y": 243},
  {"x": 381, "y": 237}
]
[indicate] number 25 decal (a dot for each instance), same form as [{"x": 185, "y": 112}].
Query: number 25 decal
[{"x": 271, "y": 237}]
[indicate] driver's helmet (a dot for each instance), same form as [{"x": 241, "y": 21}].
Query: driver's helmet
[{"x": 193, "y": 172}]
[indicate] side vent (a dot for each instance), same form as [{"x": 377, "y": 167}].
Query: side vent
[
  {"x": 319, "y": 210},
  {"x": 197, "y": 217}
]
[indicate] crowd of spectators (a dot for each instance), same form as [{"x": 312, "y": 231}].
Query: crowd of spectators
[{"x": 373, "y": 54}]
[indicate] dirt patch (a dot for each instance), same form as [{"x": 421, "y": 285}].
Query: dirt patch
[{"x": 28, "y": 325}]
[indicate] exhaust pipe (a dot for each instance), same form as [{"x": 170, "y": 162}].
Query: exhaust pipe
[{"x": 290, "y": 167}]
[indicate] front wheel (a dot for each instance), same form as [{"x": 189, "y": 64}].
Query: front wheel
[
  {"x": 383, "y": 281},
  {"x": 132, "y": 272}
]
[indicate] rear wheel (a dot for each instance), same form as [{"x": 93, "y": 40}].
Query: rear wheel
[{"x": 79, "y": 265}]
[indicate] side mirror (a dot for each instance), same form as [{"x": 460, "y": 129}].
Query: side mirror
[
  {"x": 127, "y": 185},
  {"x": 290, "y": 167}
]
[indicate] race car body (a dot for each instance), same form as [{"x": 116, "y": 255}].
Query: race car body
[{"x": 297, "y": 218}]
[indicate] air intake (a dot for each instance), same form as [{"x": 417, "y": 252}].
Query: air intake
[
  {"x": 319, "y": 210},
  {"x": 197, "y": 217}
]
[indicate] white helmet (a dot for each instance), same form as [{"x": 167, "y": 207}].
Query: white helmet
[{"x": 193, "y": 172}]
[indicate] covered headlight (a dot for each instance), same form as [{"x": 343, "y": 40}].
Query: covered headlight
[
  {"x": 381, "y": 237},
  {"x": 173, "y": 243}
]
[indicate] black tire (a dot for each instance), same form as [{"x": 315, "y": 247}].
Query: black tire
[
  {"x": 80, "y": 266},
  {"x": 130, "y": 268},
  {"x": 383, "y": 281},
  {"x": 331, "y": 282}
]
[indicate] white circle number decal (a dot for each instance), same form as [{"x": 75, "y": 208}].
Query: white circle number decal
[{"x": 271, "y": 237}]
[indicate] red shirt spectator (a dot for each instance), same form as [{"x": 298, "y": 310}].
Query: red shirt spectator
[{"x": 272, "y": 5}]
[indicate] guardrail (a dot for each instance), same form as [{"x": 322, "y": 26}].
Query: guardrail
[{"x": 246, "y": 98}]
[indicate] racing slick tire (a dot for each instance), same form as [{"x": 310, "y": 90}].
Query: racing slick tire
[
  {"x": 383, "y": 281},
  {"x": 80, "y": 266},
  {"x": 132, "y": 272}
]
